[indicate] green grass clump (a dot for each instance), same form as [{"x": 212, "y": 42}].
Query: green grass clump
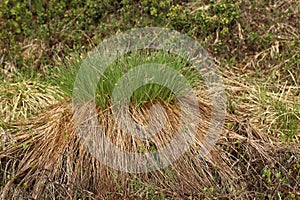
[{"x": 149, "y": 92}]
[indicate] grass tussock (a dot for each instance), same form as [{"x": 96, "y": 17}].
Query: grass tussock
[{"x": 256, "y": 46}]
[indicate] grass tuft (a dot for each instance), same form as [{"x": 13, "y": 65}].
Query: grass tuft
[
  {"x": 25, "y": 98},
  {"x": 65, "y": 77}
]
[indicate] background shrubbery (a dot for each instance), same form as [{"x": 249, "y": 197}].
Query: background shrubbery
[{"x": 36, "y": 33}]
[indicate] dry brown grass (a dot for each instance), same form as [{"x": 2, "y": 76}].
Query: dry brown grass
[{"x": 46, "y": 159}]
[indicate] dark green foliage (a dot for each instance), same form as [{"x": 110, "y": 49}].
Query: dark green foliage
[{"x": 61, "y": 27}]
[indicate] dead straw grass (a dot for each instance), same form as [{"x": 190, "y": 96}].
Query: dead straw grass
[{"x": 46, "y": 159}]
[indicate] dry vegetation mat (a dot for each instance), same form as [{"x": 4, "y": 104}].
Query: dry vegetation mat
[{"x": 46, "y": 159}]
